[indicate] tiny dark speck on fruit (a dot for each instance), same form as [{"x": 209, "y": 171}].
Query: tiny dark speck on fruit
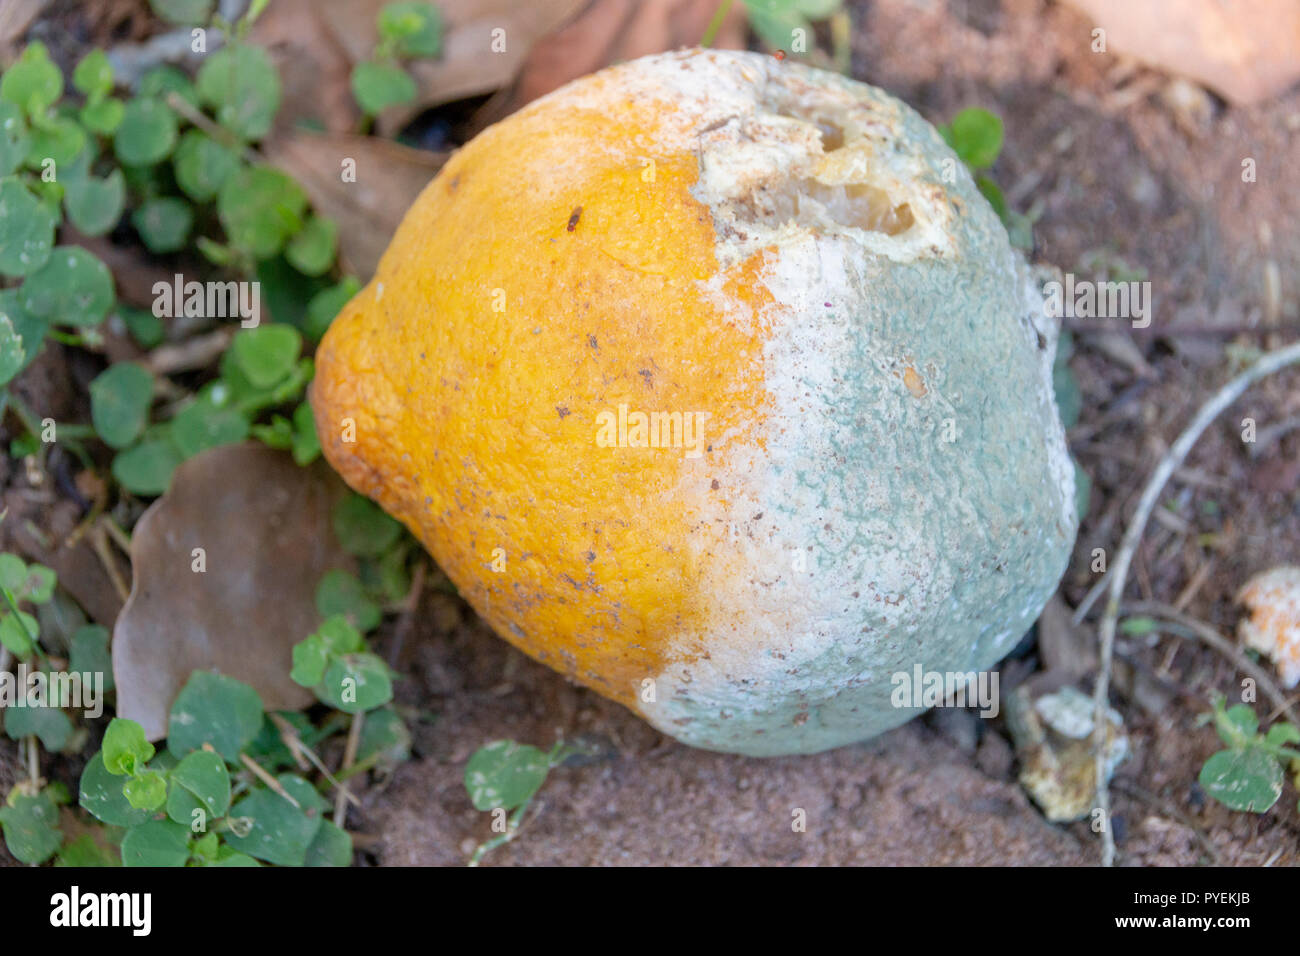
[
  {"x": 715, "y": 486},
  {"x": 573, "y": 218},
  {"x": 591, "y": 340},
  {"x": 562, "y": 410}
]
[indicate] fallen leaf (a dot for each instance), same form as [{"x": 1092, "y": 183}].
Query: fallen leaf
[
  {"x": 1244, "y": 57},
  {"x": 15, "y": 17},
  {"x": 317, "y": 42},
  {"x": 612, "y": 31},
  {"x": 388, "y": 178},
  {"x": 264, "y": 526}
]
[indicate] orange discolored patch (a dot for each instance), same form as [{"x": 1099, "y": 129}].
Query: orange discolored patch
[
  {"x": 524, "y": 297},
  {"x": 914, "y": 383}
]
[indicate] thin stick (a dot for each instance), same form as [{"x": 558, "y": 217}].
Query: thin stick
[
  {"x": 349, "y": 756},
  {"x": 1118, "y": 576},
  {"x": 1188, "y": 626},
  {"x": 34, "y": 765},
  {"x": 267, "y": 779},
  {"x": 719, "y": 17}
]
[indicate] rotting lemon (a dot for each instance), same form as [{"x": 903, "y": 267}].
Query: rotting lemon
[{"x": 712, "y": 382}]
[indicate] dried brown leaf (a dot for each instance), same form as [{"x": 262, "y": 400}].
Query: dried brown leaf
[
  {"x": 264, "y": 525},
  {"x": 1245, "y": 56},
  {"x": 388, "y": 178}
]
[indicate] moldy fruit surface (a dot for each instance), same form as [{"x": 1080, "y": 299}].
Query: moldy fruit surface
[{"x": 712, "y": 382}]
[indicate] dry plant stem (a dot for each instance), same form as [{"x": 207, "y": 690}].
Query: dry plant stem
[
  {"x": 1118, "y": 576},
  {"x": 1171, "y": 811},
  {"x": 218, "y": 133},
  {"x": 99, "y": 541},
  {"x": 1186, "y": 626},
  {"x": 267, "y": 779},
  {"x": 304, "y": 756},
  {"x": 349, "y": 757}
]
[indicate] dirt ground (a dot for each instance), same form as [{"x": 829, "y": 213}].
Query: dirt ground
[{"x": 1117, "y": 172}]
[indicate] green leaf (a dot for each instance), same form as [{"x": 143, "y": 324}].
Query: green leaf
[
  {"x": 280, "y": 833},
  {"x": 72, "y": 288},
  {"x": 93, "y": 75},
  {"x": 14, "y": 139},
  {"x": 33, "y": 83},
  {"x": 125, "y": 749},
  {"x": 416, "y": 28},
  {"x": 312, "y": 251},
  {"x": 378, "y": 86},
  {"x": 310, "y": 656},
  {"x": 13, "y": 354},
  {"x": 386, "y": 734},
  {"x": 102, "y": 796},
  {"x": 1242, "y": 719},
  {"x": 242, "y": 86},
  {"x": 1248, "y": 779},
  {"x": 39, "y": 585},
  {"x": 156, "y": 843},
  {"x": 19, "y": 632},
  {"x": 363, "y": 528},
  {"x": 306, "y": 443},
  {"x": 120, "y": 398},
  {"x": 146, "y": 791},
  {"x": 260, "y": 208},
  {"x": 95, "y": 205},
  {"x": 203, "y": 424},
  {"x": 103, "y": 116},
  {"x": 339, "y": 592},
  {"x": 215, "y": 709},
  {"x": 162, "y": 80},
  {"x": 147, "y": 468},
  {"x": 228, "y": 857},
  {"x": 26, "y": 229},
  {"x": 147, "y": 133},
  {"x": 339, "y": 636},
  {"x": 145, "y": 327},
  {"x": 13, "y": 573},
  {"x": 976, "y": 137},
  {"x": 30, "y": 328},
  {"x": 355, "y": 683},
  {"x": 330, "y": 847},
  {"x": 202, "y": 165},
  {"x": 88, "y": 653},
  {"x": 267, "y": 354},
  {"x": 57, "y": 139},
  {"x": 183, "y": 12},
  {"x": 327, "y": 304},
  {"x": 204, "y": 774},
  {"x": 1137, "y": 626},
  {"x": 277, "y": 435},
  {"x": 775, "y": 22},
  {"x": 163, "y": 223},
  {"x": 85, "y": 852},
  {"x": 29, "y": 826},
  {"x": 505, "y": 775},
  {"x": 50, "y": 724},
  {"x": 1279, "y": 735},
  {"x": 993, "y": 193}
]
